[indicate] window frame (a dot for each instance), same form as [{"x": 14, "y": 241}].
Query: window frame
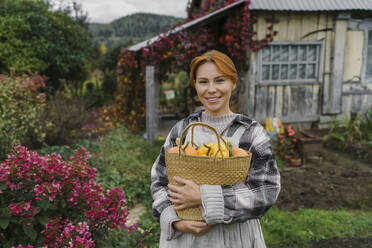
[{"x": 318, "y": 63}]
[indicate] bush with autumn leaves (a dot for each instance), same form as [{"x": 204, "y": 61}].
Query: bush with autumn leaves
[{"x": 48, "y": 202}]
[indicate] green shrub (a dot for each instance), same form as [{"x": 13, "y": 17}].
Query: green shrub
[
  {"x": 66, "y": 151},
  {"x": 147, "y": 234},
  {"x": 366, "y": 126},
  {"x": 64, "y": 118},
  {"x": 125, "y": 159},
  {"x": 20, "y": 103}
]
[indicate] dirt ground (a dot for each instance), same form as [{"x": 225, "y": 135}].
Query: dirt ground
[{"x": 333, "y": 181}]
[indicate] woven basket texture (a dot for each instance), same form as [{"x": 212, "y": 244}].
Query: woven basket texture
[{"x": 205, "y": 170}]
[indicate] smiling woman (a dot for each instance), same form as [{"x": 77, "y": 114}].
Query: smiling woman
[{"x": 230, "y": 213}]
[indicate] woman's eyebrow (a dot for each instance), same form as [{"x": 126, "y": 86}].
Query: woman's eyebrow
[{"x": 219, "y": 76}]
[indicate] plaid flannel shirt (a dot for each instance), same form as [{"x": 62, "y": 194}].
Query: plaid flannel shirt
[{"x": 223, "y": 204}]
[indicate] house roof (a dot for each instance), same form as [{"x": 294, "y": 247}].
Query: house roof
[
  {"x": 311, "y": 5},
  {"x": 272, "y": 5}
]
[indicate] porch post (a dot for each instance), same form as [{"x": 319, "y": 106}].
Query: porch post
[
  {"x": 151, "y": 105},
  {"x": 335, "y": 103}
]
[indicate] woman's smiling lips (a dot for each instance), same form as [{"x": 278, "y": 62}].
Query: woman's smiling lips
[{"x": 212, "y": 99}]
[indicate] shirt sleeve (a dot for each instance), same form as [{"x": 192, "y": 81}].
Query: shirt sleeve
[
  {"x": 252, "y": 199},
  {"x": 162, "y": 207}
]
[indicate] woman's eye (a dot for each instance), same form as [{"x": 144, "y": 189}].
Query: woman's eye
[
  {"x": 220, "y": 80},
  {"x": 202, "y": 82}
]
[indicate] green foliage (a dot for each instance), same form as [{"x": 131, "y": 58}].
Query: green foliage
[
  {"x": 109, "y": 85},
  {"x": 146, "y": 235},
  {"x": 63, "y": 119},
  {"x": 131, "y": 29},
  {"x": 20, "y": 103},
  {"x": 66, "y": 151},
  {"x": 34, "y": 38},
  {"x": 285, "y": 228},
  {"x": 125, "y": 160},
  {"x": 353, "y": 134},
  {"x": 366, "y": 126}
]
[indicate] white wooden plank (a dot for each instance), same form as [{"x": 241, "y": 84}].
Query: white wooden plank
[
  {"x": 356, "y": 103},
  {"x": 346, "y": 104},
  {"x": 366, "y": 102},
  {"x": 271, "y": 101},
  {"x": 252, "y": 84},
  {"x": 261, "y": 26},
  {"x": 282, "y": 27},
  {"x": 286, "y": 100},
  {"x": 309, "y": 24},
  {"x": 315, "y": 108},
  {"x": 261, "y": 103},
  {"x": 279, "y": 101}
]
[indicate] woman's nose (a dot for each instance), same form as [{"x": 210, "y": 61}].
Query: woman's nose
[{"x": 211, "y": 88}]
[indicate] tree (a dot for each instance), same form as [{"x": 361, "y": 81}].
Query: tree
[{"x": 52, "y": 43}]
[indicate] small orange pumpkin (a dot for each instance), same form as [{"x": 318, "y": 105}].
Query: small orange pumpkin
[
  {"x": 239, "y": 152},
  {"x": 185, "y": 149}
]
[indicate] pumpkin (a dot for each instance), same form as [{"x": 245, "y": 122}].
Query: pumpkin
[
  {"x": 214, "y": 150},
  {"x": 239, "y": 152},
  {"x": 185, "y": 149},
  {"x": 203, "y": 150}
]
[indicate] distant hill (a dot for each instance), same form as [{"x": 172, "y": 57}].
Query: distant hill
[{"x": 131, "y": 29}]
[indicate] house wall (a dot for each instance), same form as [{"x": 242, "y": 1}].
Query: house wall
[{"x": 340, "y": 89}]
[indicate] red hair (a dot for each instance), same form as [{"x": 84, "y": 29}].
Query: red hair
[{"x": 223, "y": 63}]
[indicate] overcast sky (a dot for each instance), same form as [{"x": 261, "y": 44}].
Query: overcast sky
[{"x": 105, "y": 11}]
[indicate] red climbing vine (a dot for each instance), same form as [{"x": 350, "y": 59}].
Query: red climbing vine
[{"x": 173, "y": 51}]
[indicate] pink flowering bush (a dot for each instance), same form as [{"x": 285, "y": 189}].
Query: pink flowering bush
[{"x": 48, "y": 202}]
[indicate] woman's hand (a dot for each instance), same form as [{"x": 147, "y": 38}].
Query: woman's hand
[
  {"x": 186, "y": 195},
  {"x": 194, "y": 227}
]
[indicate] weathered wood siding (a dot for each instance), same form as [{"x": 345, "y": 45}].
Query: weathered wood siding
[
  {"x": 291, "y": 102},
  {"x": 340, "y": 88}
]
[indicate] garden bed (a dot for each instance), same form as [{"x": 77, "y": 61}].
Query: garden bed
[{"x": 337, "y": 181}]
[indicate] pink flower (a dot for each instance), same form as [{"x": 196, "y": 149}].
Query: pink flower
[
  {"x": 27, "y": 206},
  {"x": 38, "y": 189},
  {"x": 14, "y": 209}
]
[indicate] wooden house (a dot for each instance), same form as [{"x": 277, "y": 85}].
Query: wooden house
[{"x": 318, "y": 65}]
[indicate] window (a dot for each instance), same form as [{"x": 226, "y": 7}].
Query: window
[
  {"x": 291, "y": 62},
  {"x": 369, "y": 55}
]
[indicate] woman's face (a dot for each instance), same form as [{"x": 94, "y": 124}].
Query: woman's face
[{"x": 214, "y": 89}]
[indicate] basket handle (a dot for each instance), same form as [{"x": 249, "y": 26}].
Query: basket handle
[{"x": 193, "y": 124}]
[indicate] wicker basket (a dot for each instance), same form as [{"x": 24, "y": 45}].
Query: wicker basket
[{"x": 205, "y": 170}]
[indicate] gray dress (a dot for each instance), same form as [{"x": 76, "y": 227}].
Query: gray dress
[{"x": 235, "y": 235}]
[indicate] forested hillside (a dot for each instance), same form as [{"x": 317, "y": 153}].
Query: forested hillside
[{"x": 132, "y": 29}]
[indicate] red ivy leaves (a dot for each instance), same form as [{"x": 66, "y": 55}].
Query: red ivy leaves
[{"x": 173, "y": 52}]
